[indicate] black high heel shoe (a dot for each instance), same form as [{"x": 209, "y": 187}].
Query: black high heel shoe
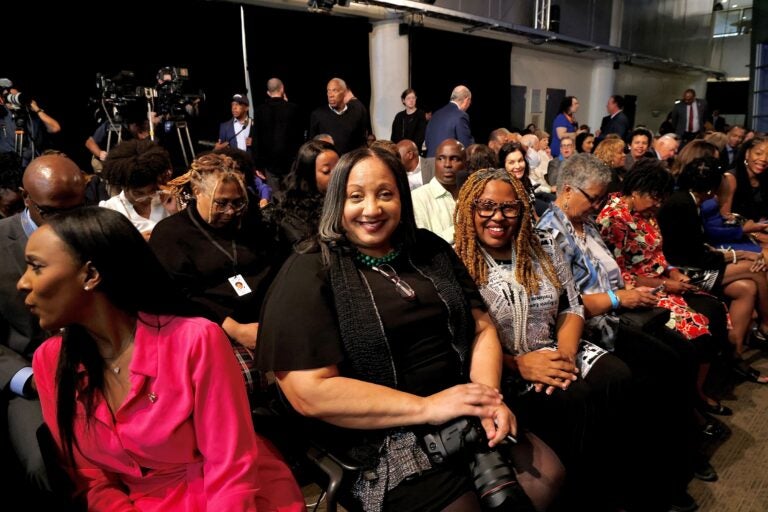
[
  {"x": 758, "y": 339},
  {"x": 745, "y": 371},
  {"x": 717, "y": 409}
]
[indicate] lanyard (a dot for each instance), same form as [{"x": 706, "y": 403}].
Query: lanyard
[{"x": 232, "y": 257}]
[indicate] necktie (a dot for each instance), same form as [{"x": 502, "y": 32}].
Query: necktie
[{"x": 690, "y": 117}]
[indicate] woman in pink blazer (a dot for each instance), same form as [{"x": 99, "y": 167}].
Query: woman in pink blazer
[{"x": 148, "y": 410}]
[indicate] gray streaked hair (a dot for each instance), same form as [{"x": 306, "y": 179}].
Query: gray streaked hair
[
  {"x": 583, "y": 170},
  {"x": 341, "y": 82}
]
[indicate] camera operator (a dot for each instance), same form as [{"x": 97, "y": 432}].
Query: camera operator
[
  {"x": 23, "y": 114},
  {"x": 134, "y": 126}
]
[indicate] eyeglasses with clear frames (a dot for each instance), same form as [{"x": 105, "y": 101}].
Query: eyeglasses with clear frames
[
  {"x": 237, "y": 205},
  {"x": 403, "y": 288}
]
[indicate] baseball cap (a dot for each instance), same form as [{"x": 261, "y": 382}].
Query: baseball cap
[{"x": 241, "y": 99}]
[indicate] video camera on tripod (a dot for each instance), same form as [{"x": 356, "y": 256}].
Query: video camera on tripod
[
  {"x": 172, "y": 99},
  {"x": 114, "y": 96}
]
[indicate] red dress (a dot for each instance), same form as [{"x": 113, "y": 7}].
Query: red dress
[{"x": 636, "y": 245}]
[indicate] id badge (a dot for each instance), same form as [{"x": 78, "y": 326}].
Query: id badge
[{"x": 239, "y": 285}]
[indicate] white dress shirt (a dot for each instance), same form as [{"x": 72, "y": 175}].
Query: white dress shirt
[
  {"x": 415, "y": 179},
  {"x": 433, "y": 207}
]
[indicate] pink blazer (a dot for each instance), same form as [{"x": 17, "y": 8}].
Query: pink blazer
[{"x": 183, "y": 439}]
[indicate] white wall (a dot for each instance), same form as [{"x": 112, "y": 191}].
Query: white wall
[
  {"x": 541, "y": 70},
  {"x": 731, "y": 54},
  {"x": 656, "y": 91}
]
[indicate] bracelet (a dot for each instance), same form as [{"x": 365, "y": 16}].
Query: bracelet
[
  {"x": 733, "y": 254},
  {"x": 615, "y": 302}
]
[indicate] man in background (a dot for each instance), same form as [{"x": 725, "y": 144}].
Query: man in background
[
  {"x": 450, "y": 122},
  {"x": 237, "y": 131},
  {"x": 278, "y": 132}
]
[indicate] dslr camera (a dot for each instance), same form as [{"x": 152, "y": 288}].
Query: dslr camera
[
  {"x": 13, "y": 100},
  {"x": 492, "y": 473}
]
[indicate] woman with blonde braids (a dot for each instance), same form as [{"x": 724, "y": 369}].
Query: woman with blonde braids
[
  {"x": 562, "y": 386},
  {"x": 219, "y": 253}
]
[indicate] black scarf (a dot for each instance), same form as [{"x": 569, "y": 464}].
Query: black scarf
[{"x": 362, "y": 332}]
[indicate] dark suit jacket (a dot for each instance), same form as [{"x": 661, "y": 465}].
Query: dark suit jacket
[
  {"x": 619, "y": 125},
  {"x": 449, "y": 122},
  {"x": 718, "y": 124},
  {"x": 553, "y": 171},
  {"x": 227, "y": 132},
  {"x": 727, "y": 164},
  {"x": 277, "y": 135},
  {"x": 683, "y": 235},
  {"x": 20, "y": 333},
  {"x": 680, "y": 119}
]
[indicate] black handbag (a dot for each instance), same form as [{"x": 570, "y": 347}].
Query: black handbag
[{"x": 646, "y": 319}]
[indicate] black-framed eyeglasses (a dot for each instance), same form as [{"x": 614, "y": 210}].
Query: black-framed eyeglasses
[
  {"x": 487, "y": 209},
  {"x": 597, "y": 202},
  {"x": 237, "y": 205},
  {"x": 49, "y": 211},
  {"x": 403, "y": 288}
]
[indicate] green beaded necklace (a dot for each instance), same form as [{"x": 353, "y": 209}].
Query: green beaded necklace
[{"x": 370, "y": 261}]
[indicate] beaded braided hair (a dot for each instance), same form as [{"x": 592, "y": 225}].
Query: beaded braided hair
[
  {"x": 527, "y": 245},
  {"x": 207, "y": 173}
]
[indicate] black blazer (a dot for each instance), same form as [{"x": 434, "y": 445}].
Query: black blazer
[
  {"x": 20, "y": 332},
  {"x": 682, "y": 234},
  {"x": 619, "y": 125}
]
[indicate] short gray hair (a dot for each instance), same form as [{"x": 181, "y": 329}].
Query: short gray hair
[
  {"x": 460, "y": 93},
  {"x": 341, "y": 82},
  {"x": 583, "y": 170}
]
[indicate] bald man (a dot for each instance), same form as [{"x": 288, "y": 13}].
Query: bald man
[
  {"x": 420, "y": 170},
  {"x": 346, "y": 125},
  {"x": 51, "y": 184},
  {"x": 278, "y": 133},
  {"x": 435, "y": 202},
  {"x": 451, "y": 121}
]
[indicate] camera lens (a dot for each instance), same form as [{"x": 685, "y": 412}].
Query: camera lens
[{"x": 497, "y": 485}]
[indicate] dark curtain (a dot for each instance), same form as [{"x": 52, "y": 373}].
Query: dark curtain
[
  {"x": 442, "y": 60},
  {"x": 303, "y": 49}
]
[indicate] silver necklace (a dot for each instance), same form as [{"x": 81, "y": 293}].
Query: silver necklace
[{"x": 114, "y": 366}]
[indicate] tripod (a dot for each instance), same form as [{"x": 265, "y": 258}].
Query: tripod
[
  {"x": 20, "y": 135},
  {"x": 185, "y": 141}
]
